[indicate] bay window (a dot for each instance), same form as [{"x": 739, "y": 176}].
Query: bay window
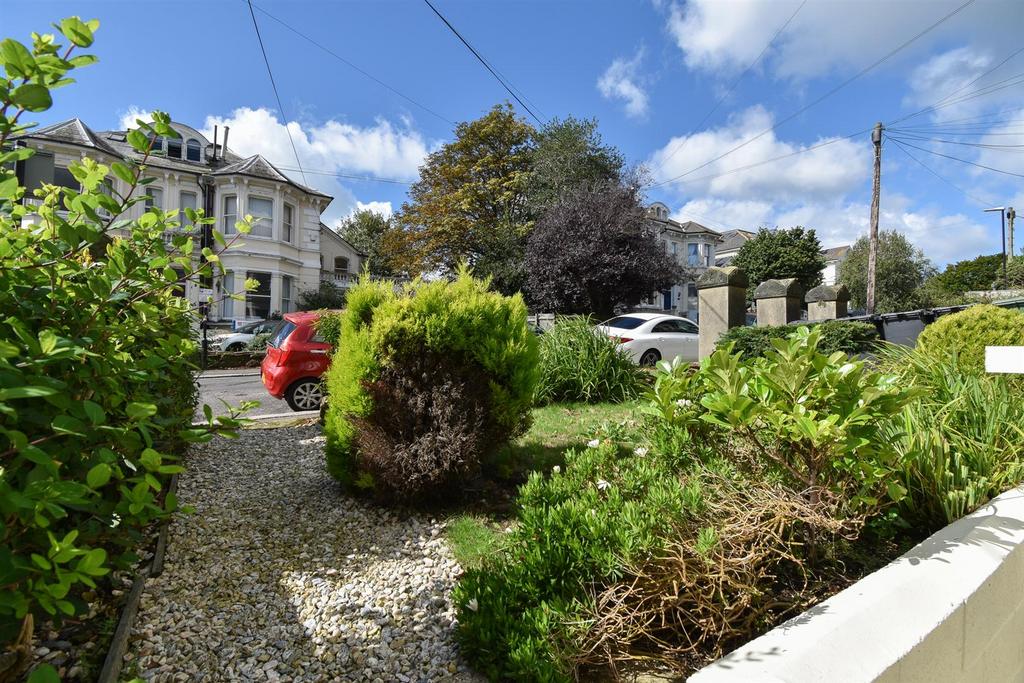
[
  {"x": 286, "y": 223},
  {"x": 257, "y": 301},
  {"x": 262, "y": 211},
  {"x": 229, "y": 216}
]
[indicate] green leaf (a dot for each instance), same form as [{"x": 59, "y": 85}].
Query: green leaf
[
  {"x": 123, "y": 172},
  {"x": 44, "y": 673},
  {"x": 139, "y": 411},
  {"x": 77, "y": 31},
  {"x": 94, "y": 412},
  {"x": 65, "y": 424},
  {"x": 28, "y": 391},
  {"x": 16, "y": 59},
  {"x": 32, "y": 97},
  {"x": 98, "y": 476}
]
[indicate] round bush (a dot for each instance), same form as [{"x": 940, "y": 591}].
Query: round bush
[
  {"x": 968, "y": 332},
  {"x": 426, "y": 381},
  {"x": 578, "y": 363}
]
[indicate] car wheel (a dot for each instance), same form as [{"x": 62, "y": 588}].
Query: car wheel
[
  {"x": 306, "y": 394},
  {"x": 650, "y": 357},
  {"x": 236, "y": 347}
]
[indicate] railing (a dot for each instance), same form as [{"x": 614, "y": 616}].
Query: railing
[{"x": 338, "y": 279}]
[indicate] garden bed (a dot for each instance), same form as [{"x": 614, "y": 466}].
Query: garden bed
[{"x": 234, "y": 359}]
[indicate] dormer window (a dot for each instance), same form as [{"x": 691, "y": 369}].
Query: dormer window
[
  {"x": 192, "y": 150},
  {"x": 158, "y": 144},
  {"x": 340, "y": 264},
  {"x": 173, "y": 148}
]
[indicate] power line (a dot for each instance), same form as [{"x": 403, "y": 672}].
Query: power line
[
  {"x": 962, "y": 161},
  {"x": 484, "y": 61},
  {"x": 936, "y": 174},
  {"x": 354, "y": 67},
  {"x": 682, "y": 145},
  {"x": 349, "y": 176},
  {"x": 907, "y": 136},
  {"x": 280, "y": 106},
  {"x": 828, "y": 94}
]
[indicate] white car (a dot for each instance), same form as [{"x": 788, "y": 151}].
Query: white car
[
  {"x": 237, "y": 340},
  {"x": 650, "y": 337}
]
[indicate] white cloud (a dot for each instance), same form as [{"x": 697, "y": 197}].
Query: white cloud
[
  {"x": 835, "y": 168},
  {"x": 129, "y": 118},
  {"x": 944, "y": 79},
  {"x": 383, "y": 208},
  {"x": 828, "y": 34},
  {"x": 620, "y": 81},
  {"x": 943, "y": 237},
  {"x": 1004, "y": 158}
]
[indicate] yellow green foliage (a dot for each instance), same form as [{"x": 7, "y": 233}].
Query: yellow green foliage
[{"x": 968, "y": 333}]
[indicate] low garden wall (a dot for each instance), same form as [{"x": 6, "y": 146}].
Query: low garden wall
[
  {"x": 950, "y": 609},
  {"x": 234, "y": 359}
]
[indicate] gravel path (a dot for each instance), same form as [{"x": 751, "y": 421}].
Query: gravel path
[{"x": 279, "y": 576}]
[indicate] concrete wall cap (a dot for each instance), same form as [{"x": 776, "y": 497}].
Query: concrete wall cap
[
  {"x": 730, "y": 276},
  {"x": 828, "y": 293},
  {"x": 769, "y": 289}
]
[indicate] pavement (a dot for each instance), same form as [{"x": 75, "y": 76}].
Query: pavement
[{"x": 235, "y": 386}]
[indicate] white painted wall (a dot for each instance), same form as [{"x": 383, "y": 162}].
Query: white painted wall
[{"x": 950, "y": 610}]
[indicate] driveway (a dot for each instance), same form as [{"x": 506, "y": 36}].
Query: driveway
[{"x": 235, "y": 386}]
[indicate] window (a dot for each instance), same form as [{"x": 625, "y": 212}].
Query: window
[
  {"x": 671, "y": 327},
  {"x": 154, "y": 198},
  {"x": 262, "y": 211},
  {"x": 174, "y": 148},
  {"x": 227, "y": 304},
  {"x": 624, "y": 322},
  {"x": 257, "y": 302},
  {"x": 230, "y": 214},
  {"x": 694, "y": 254},
  {"x": 286, "y": 294},
  {"x": 708, "y": 251},
  {"x": 286, "y": 223},
  {"x": 193, "y": 150},
  {"x": 187, "y": 200},
  {"x": 691, "y": 300},
  {"x": 675, "y": 248},
  {"x": 277, "y": 337},
  {"x": 340, "y": 264},
  {"x": 62, "y": 177},
  {"x": 158, "y": 144}
]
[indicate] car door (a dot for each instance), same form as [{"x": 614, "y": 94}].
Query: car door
[
  {"x": 669, "y": 338},
  {"x": 690, "y": 340}
]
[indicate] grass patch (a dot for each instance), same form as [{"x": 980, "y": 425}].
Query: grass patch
[
  {"x": 472, "y": 539},
  {"x": 557, "y": 428}
]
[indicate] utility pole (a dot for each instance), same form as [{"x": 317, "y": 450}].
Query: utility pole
[
  {"x": 1010, "y": 215},
  {"x": 876, "y": 189}
]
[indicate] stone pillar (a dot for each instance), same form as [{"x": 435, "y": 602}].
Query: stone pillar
[
  {"x": 778, "y": 301},
  {"x": 827, "y": 302},
  {"x": 722, "y": 304}
]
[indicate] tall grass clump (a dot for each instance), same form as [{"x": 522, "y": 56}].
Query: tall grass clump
[
  {"x": 961, "y": 442},
  {"x": 579, "y": 364}
]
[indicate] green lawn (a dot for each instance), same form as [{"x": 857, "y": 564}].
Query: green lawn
[{"x": 555, "y": 429}]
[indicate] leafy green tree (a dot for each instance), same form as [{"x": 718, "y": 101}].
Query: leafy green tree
[
  {"x": 326, "y": 296},
  {"x": 593, "y": 251},
  {"x": 470, "y": 204},
  {"x": 568, "y": 154},
  {"x": 96, "y": 354},
  {"x": 900, "y": 270},
  {"x": 780, "y": 253},
  {"x": 370, "y": 233},
  {"x": 1014, "y": 274},
  {"x": 975, "y": 274}
]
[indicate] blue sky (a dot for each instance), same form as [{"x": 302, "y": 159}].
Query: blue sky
[{"x": 650, "y": 72}]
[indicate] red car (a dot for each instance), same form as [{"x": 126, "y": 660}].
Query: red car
[{"x": 296, "y": 358}]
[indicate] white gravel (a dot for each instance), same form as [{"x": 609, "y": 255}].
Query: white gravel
[{"x": 279, "y": 576}]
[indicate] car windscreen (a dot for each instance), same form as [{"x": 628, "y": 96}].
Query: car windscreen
[
  {"x": 280, "y": 333},
  {"x": 624, "y": 322},
  {"x": 251, "y": 328}
]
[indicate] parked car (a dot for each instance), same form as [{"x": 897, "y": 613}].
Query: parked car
[
  {"x": 297, "y": 357},
  {"x": 650, "y": 337},
  {"x": 237, "y": 340}
]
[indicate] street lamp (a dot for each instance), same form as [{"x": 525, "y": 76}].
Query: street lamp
[{"x": 1002, "y": 213}]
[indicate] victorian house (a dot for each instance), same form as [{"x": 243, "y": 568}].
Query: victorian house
[{"x": 693, "y": 247}]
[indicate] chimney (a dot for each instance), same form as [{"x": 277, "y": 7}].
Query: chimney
[
  {"x": 226, "y": 131},
  {"x": 214, "y": 143}
]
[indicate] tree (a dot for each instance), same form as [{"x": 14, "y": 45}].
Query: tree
[
  {"x": 976, "y": 274},
  {"x": 470, "y": 204},
  {"x": 593, "y": 251},
  {"x": 326, "y": 296},
  {"x": 569, "y": 154},
  {"x": 371, "y": 233},
  {"x": 795, "y": 252},
  {"x": 900, "y": 270}
]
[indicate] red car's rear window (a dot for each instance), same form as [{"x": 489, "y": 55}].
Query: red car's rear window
[{"x": 280, "y": 333}]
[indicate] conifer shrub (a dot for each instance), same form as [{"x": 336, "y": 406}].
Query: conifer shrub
[
  {"x": 968, "y": 332},
  {"x": 426, "y": 380}
]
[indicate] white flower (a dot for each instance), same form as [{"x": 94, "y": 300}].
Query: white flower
[
  {"x": 472, "y": 605},
  {"x": 115, "y": 520},
  {"x": 593, "y": 443},
  {"x": 640, "y": 450},
  {"x": 602, "y": 485},
  {"x": 684, "y": 402},
  {"x": 556, "y": 469}
]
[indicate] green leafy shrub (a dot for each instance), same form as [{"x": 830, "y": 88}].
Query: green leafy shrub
[
  {"x": 960, "y": 442},
  {"x": 579, "y": 364},
  {"x": 967, "y": 333},
  {"x": 258, "y": 342},
  {"x": 813, "y": 418},
  {"x": 850, "y": 337},
  {"x": 427, "y": 380},
  {"x": 329, "y": 326},
  {"x": 96, "y": 378},
  {"x": 578, "y": 529}
]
